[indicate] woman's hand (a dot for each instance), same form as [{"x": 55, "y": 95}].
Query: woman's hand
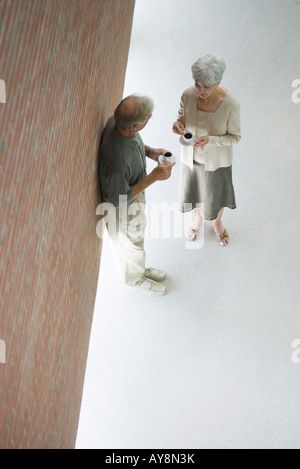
[
  {"x": 201, "y": 141},
  {"x": 178, "y": 128}
]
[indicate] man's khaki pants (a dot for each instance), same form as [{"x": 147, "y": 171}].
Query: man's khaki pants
[{"x": 126, "y": 234}]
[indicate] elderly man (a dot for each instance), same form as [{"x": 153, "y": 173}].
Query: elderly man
[{"x": 123, "y": 180}]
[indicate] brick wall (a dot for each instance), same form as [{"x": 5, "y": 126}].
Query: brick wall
[{"x": 63, "y": 63}]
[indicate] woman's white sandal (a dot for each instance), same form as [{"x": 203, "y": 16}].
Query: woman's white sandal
[
  {"x": 223, "y": 238},
  {"x": 192, "y": 234}
]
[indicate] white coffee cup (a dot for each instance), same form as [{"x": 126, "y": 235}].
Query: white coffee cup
[
  {"x": 187, "y": 137},
  {"x": 167, "y": 157}
]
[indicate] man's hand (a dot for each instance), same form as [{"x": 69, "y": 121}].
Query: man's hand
[
  {"x": 162, "y": 171},
  {"x": 156, "y": 152}
]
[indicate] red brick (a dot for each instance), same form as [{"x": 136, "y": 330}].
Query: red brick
[{"x": 64, "y": 64}]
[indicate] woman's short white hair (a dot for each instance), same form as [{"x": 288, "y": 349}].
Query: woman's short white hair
[{"x": 208, "y": 70}]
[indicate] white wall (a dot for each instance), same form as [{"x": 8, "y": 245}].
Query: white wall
[{"x": 210, "y": 364}]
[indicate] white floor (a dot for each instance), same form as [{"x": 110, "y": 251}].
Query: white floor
[{"x": 209, "y": 365}]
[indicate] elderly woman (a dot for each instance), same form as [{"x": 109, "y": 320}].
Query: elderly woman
[{"x": 212, "y": 115}]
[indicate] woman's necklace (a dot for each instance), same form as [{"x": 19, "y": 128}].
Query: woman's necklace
[
  {"x": 204, "y": 101},
  {"x": 211, "y": 103}
]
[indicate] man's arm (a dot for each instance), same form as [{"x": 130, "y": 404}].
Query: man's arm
[
  {"x": 160, "y": 173},
  {"x": 147, "y": 150},
  {"x": 153, "y": 153}
]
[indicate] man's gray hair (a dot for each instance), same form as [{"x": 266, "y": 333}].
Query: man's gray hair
[
  {"x": 133, "y": 110},
  {"x": 208, "y": 70}
]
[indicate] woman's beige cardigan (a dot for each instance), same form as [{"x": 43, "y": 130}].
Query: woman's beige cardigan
[{"x": 223, "y": 128}]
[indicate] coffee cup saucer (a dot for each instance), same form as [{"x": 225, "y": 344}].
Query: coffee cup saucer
[
  {"x": 172, "y": 159},
  {"x": 187, "y": 144}
]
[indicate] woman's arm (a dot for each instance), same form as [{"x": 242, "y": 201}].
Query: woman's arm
[
  {"x": 179, "y": 125},
  {"x": 233, "y": 134}
]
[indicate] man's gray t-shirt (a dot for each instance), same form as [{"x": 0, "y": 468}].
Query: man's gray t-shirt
[{"x": 122, "y": 163}]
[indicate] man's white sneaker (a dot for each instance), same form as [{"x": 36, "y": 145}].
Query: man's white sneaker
[
  {"x": 155, "y": 274},
  {"x": 149, "y": 287}
]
